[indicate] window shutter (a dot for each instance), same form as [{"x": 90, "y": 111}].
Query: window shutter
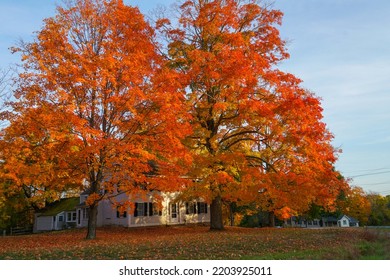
[
  {"x": 187, "y": 210},
  {"x": 205, "y": 208},
  {"x": 136, "y": 210},
  {"x": 145, "y": 209},
  {"x": 150, "y": 209},
  {"x": 198, "y": 206},
  {"x": 125, "y": 214}
]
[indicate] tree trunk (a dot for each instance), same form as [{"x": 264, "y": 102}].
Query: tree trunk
[
  {"x": 271, "y": 216},
  {"x": 231, "y": 214},
  {"x": 92, "y": 221},
  {"x": 216, "y": 222}
]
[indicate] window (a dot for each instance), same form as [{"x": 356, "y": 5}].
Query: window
[
  {"x": 61, "y": 218},
  {"x": 144, "y": 209},
  {"x": 190, "y": 207},
  {"x": 121, "y": 214},
  {"x": 154, "y": 209},
  {"x": 71, "y": 217},
  {"x": 344, "y": 222},
  {"x": 141, "y": 209},
  {"x": 196, "y": 208},
  {"x": 202, "y": 208}
]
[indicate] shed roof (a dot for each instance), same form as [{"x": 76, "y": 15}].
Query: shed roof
[{"x": 65, "y": 204}]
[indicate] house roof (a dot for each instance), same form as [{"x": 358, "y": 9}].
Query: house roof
[
  {"x": 352, "y": 220},
  {"x": 330, "y": 219},
  {"x": 65, "y": 204}
]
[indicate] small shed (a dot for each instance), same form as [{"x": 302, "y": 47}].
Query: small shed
[
  {"x": 57, "y": 216},
  {"x": 346, "y": 221}
]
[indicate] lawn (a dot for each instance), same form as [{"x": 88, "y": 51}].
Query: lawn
[{"x": 198, "y": 242}]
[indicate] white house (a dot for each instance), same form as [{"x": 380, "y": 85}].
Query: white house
[
  {"x": 147, "y": 211},
  {"x": 73, "y": 212}
]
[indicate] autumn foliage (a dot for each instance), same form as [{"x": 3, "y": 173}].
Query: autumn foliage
[
  {"x": 95, "y": 104},
  {"x": 101, "y": 104},
  {"x": 257, "y": 134},
  {"x": 354, "y": 202}
]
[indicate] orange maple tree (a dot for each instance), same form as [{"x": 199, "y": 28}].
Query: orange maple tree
[
  {"x": 258, "y": 135},
  {"x": 96, "y": 107}
]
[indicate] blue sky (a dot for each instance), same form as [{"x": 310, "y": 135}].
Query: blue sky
[{"x": 339, "y": 48}]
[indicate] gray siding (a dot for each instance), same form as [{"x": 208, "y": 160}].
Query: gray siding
[{"x": 44, "y": 223}]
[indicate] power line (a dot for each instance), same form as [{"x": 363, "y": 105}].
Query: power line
[
  {"x": 369, "y": 174},
  {"x": 369, "y": 170},
  {"x": 375, "y": 184}
]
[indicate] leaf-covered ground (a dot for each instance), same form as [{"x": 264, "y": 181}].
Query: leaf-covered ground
[{"x": 199, "y": 243}]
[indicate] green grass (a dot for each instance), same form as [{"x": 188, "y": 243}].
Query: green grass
[
  {"x": 363, "y": 250},
  {"x": 199, "y": 243},
  {"x": 371, "y": 245}
]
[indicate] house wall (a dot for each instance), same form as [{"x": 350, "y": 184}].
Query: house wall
[
  {"x": 107, "y": 213},
  {"x": 198, "y": 218},
  {"x": 58, "y": 225},
  {"x": 147, "y": 219},
  {"x": 82, "y": 219},
  {"x": 182, "y": 216},
  {"x": 43, "y": 223},
  {"x": 343, "y": 222},
  {"x": 83, "y": 197},
  {"x": 70, "y": 223}
]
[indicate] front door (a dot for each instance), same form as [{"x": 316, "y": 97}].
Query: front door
[{"x": 174, "y": 213}]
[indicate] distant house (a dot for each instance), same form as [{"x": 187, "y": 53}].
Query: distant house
[
  {"x": 298, "y": 221},
  {"x": 57, "y": 216},
  {"x": 329, "y": 221},
  {"x": 73, "y": 212},
  {"x": 326, "y": 221},
  {"x": 346, "y": 221}
]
